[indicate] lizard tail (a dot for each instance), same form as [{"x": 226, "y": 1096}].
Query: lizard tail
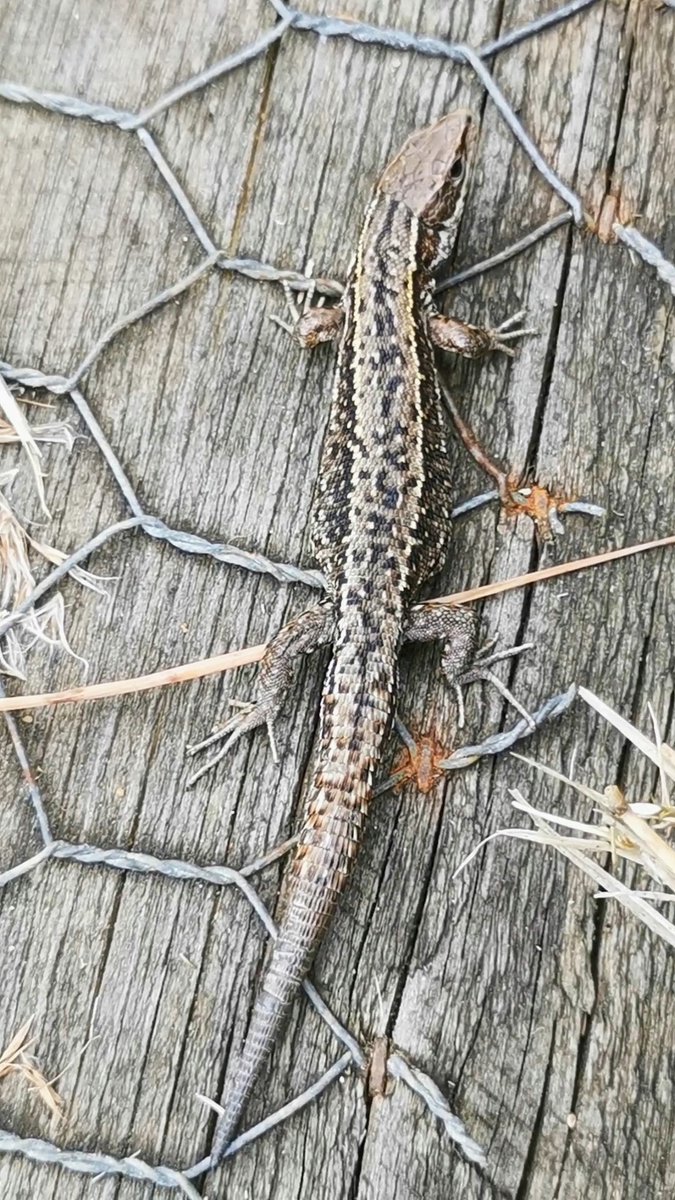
[
  {"x": 329, "y": 843},
  {"x": 310, "y": 906}
]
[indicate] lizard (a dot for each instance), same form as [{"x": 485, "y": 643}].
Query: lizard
[{"x": 381, "y": 523}]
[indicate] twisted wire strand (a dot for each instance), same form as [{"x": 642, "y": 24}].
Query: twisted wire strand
[{"x": 137, "y": 122}]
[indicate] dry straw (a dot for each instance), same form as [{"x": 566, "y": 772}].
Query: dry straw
[
  {"x": 623, "y": 829},
  {"x": 16, "y": 1061}
]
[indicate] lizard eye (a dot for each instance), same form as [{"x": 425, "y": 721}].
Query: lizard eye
[{"x": 457, "y": 170}]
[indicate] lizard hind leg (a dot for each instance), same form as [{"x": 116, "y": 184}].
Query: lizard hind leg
[
  {"x": 480, "y": 672},
  {"x": 462, "y": 662},
  {"x": 457, "y": 628},
  {"x": 304, "y": 634}
]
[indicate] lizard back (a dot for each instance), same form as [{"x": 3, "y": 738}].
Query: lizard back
[{"x": 384, "y": 482}]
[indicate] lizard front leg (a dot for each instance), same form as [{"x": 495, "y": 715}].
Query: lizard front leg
[
  {"x": 319, "y": 325},
  {"x": 314, "y": 324},
  {"x": 304, "y": 634},
  {"x": 473, "y": 341},
  {"x": 447, "y": 333}
]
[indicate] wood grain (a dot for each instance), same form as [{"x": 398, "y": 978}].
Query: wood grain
[{"x": 525, "y": 998}]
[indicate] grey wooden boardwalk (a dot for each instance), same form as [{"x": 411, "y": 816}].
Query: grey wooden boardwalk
[{"x": 524, "y": 998}]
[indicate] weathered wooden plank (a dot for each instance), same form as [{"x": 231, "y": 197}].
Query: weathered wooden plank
[
  {"x": 524, "y": 1034},
  {"x": 219, "y": 420},
  {"x": 619, "y": 320},
  {"x": 119, "y": 975}
]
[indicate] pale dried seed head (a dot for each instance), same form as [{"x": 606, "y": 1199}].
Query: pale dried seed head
[
  {"x": 15, "y": 1060},
  {"x": 17, "y": 421},
  {"x": 42, "y": 625},
  {"x": 55, "y": 432},
  {"x": 626, "y": 828}
]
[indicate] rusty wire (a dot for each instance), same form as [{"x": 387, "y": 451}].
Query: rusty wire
[{"x": 136, "y": 124}]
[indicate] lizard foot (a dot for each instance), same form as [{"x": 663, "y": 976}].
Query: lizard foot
[
  {"x": 304, "y": 634},
  {"x": 310, "y": 324},
  {"x": 505, "y": 332},
  {"x": 250, "y": 717},
  {"x": 481, "y": 672},
  {"x": 475, "y": 341},
  {"x": 295, "y": 313}
]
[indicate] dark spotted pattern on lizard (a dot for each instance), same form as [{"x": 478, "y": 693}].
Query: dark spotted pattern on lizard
[{"x": 381, "y": 525}]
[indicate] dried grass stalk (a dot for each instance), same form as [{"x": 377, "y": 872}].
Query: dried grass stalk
[
  {"x": 57, "y": 432},
  {"x": 46, "y": 623},
  {"x": 19, "y": 424},
  {"x": 631, "y": 830}
]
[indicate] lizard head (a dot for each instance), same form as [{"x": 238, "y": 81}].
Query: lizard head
[{"x": 429, "y": 173}]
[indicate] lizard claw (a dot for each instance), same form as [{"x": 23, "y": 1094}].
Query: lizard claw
[
  {"x": 481, "y": 672},
  {"x": 505, "y": 332},
  {"x": 296, "y": 314}
]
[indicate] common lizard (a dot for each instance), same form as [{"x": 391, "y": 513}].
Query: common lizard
[{"x": 381, "y": 523}]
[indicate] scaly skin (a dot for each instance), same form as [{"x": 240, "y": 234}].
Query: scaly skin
[{"x": 381, "y": 527}]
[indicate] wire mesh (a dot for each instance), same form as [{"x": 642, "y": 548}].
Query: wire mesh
[{"x": 136, "y": 124}]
